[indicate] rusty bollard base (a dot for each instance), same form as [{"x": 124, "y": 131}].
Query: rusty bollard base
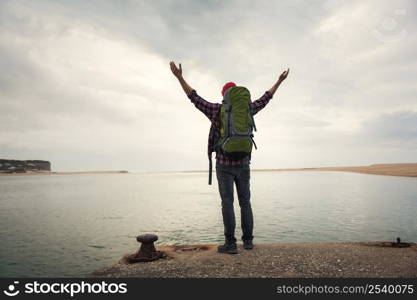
[
  {"x": 147, "y": 251},
  {"x": 397, "y": 244}
]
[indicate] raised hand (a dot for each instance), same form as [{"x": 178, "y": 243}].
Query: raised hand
[
  {"x": 284, "y": 75},
  {"x": 176, "y": 71},
  {"x": 281, "y": 78}
]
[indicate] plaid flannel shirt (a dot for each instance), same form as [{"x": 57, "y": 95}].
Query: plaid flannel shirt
[{"x": 212, "y": 112}]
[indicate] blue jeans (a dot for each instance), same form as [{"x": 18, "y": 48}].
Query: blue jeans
[{"x": 227, "y": 176}]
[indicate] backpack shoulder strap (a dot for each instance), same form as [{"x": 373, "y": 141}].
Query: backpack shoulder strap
[{"x": 210, "y": 168}]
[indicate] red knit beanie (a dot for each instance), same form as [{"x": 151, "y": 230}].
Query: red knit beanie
[{"x": 227, "y": 86}]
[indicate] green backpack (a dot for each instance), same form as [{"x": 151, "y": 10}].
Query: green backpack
[
  {"x": 236, "y": 124},
  {"x": 235, "y": 138}
]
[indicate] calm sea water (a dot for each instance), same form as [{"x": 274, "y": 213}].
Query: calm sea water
[{"x": 71, "y": 225}]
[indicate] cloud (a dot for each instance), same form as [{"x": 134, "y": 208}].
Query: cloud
[
  {"x": 87, "y": 82},
  {"x": 398, "y": 127}
]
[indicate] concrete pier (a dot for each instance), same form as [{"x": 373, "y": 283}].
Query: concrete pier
[{"x": 274, "y": 261}]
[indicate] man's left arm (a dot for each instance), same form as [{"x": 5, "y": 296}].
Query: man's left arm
[{"x": 206, "y": 107}]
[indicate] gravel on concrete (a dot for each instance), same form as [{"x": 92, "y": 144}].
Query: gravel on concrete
[{"x": 274, "y": 261}]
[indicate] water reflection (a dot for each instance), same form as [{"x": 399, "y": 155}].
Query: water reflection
[{"x": 70, "y": 225}]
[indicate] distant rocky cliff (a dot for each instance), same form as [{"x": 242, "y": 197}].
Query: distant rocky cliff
[{"x": 22, "y": 166}]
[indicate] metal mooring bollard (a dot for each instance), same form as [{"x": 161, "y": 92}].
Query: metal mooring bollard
[
  {"x": 400, "y": 244},
  {"x": 147, "y": 251}
]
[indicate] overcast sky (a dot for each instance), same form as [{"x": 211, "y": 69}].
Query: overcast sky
[{"x": 87, "y": 86}]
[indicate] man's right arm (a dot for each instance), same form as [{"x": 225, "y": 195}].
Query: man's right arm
[
  {"x": 259, "y": 104},
  {"x": 281, "y": 78}
]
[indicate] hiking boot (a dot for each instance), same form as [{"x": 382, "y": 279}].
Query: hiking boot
[
  {"x": 229, "y": 248},
  {"x": 248, "y": 245}
]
